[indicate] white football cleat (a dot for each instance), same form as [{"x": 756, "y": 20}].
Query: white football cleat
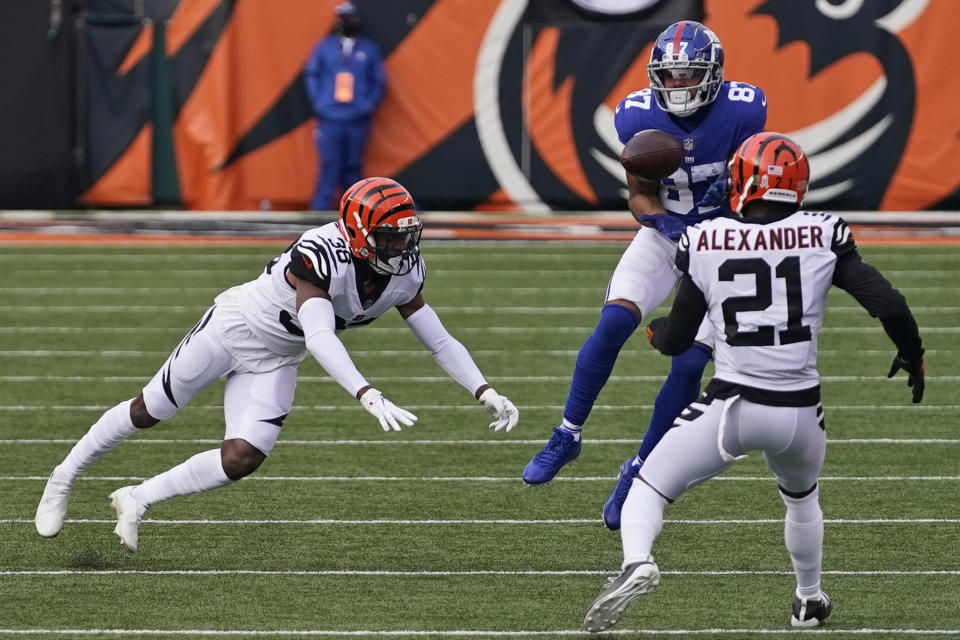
[
  {"x": 129, "y": 513},
  {"x": 53, "y": 506},
  {"x": 637, "y": 579}
]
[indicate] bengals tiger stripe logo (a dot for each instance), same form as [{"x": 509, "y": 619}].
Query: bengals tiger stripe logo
[{"x": 860, "y": 85}]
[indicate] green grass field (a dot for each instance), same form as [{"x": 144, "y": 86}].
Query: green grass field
[{"x": 349, "y": 532}]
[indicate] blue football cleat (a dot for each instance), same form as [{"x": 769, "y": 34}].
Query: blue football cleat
[
  {"x": 561, "y": 449},
  {"x": 614, "y": 504}
]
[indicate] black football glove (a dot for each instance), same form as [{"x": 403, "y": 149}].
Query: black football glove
[
  {"x": 655, "y": 332},
  {"x": 915, "y": 373}
]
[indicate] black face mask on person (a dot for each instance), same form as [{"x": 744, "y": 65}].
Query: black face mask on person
[{"x": 349, "y": 28}]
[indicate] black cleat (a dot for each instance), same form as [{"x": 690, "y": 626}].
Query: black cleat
[{"x": 810, "y": 612}]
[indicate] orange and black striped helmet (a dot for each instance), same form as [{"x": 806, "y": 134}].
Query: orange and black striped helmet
[
  {"x": 380, "y": 224},
  {"x": 768, "y": 166}
]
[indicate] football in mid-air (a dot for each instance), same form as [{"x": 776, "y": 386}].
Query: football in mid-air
[{"x": 651, "y": 154}]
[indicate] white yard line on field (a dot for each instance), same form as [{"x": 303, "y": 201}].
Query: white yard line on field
[
  {"x": 407, "y": 353},
  {"x": 474, "y": 407},
  {"x": 491, "y": 521},
  {"x": 436, "y": 273},
  {"x": 446, "y": 379},
  {"x": 286, "y": 633},
  {"x": 430, "y": 573},
  {"x": 495, "y": 443},
  {"x": 406, "y": 633},
  {"x": 212, "y": 291},
  {"x": 474, "y": 251},
  {"x": 393, "y": 331},
  {"x": 480, "y": 310},
  {"x": 515, "y": 479}
]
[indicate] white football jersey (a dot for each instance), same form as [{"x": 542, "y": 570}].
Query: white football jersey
[
  {"x": 766, "y": 290},
  {"x": 268, "y": 304}
]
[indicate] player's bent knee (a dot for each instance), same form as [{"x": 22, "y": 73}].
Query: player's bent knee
[
  {"x": 139, "y": 415},
  {"x": 621, "y": 302},
  {"x": 240, "y": 458}
]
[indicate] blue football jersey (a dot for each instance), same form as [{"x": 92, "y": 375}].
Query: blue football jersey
[{"x": 708, "y": 138}]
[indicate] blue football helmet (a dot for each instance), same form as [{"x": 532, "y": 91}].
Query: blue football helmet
[{"x": 687, "y": 50}]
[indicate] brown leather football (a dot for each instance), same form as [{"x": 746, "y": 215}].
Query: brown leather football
[{"x": 651, "y": 154}]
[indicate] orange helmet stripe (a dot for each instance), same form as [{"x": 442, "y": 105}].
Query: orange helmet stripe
[{"x": 377, "y": 199}]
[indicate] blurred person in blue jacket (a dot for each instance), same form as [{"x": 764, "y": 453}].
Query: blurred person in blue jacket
[{"x": 345, "y": 83}]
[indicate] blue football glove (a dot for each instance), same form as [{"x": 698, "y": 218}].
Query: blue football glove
[
  {"x": 667, "y": 225},
  {"x": 718, "y": 195}
]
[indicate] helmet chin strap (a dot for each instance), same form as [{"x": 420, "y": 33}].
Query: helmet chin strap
[
  {"x": 377, "y": 265},
  {"x": 391, "y": 267}
]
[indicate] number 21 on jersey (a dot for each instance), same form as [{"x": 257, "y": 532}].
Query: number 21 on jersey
[{"x": 786, "y": 300}]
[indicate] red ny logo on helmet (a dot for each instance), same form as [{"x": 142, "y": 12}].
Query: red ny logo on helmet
[{"x": 381, "y": 226}]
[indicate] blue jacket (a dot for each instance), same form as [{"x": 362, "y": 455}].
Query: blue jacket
[{"x": 365, "y": 63}]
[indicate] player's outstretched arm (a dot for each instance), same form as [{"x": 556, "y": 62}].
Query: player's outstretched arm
[
  {"x": 454, "y": 358},
  {"x": 316, "y": 316},
  {"x": 642, "y": 196},
  {"x": 875, "y": 294},
  {"x": 643, "y": 200}
]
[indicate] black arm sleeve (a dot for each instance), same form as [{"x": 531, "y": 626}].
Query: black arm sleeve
[
  {"x": 689, "y": 308},
  {"x": 881, "y": 300}
]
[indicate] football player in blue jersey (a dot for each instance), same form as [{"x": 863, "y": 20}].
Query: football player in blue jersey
[{"x": 688, "y": 98}]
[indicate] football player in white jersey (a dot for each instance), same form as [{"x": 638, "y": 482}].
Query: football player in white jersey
[
  {"x": 762, "y": 282},
  {"x": 341, "y": 275}
]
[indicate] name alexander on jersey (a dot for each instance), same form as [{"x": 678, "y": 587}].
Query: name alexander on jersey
[{"x": 760, "y": 239}]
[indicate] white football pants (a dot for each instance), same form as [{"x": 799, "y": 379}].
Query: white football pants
[
  {"x": 701, "y": 445},
  {"x": 647, "y": 274},
  {"x": 254, "y": 404},
  {"x": 707, "y": 439}
]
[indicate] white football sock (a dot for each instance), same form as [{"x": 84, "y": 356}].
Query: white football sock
[
  {"x": 111, "y": 429},
  {"x": 571, "y": 428},
  {"x": 640, "y": 522},
  {"x": 202, "y": 472},
  {"x": 803, "y": 535}
]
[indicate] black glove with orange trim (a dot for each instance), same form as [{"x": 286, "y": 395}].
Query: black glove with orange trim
[{"x": 655, "y": 332}]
